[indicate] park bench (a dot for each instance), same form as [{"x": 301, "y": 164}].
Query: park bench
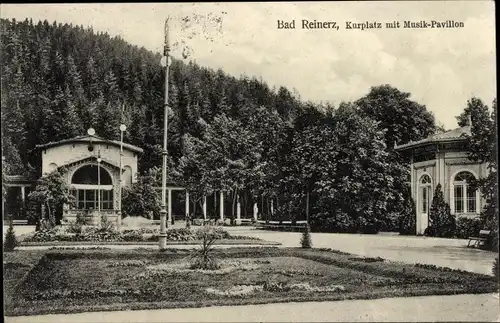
[
  {"x": 483, "y": 236},
  {"x": 281, "y": 226}
]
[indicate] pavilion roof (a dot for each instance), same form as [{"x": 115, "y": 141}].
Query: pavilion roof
[
  {"x": 88, "y": 138},
  {"x": 458, "y": 134}
]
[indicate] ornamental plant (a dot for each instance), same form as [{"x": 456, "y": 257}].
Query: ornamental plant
[
  {"x": 305, "y": 241},
  {"x": 442, "y": 221},
  {"x": 203, "y": 258},
  {"x": 10, "y": 238}
]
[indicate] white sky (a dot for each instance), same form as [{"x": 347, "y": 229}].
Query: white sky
[{"x": 441, "y": 68}]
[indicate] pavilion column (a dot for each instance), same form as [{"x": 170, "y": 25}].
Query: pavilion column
[
  {"x": 221, "y": 203},
  {"x": 204, "y": 207},
  {"x": 272, "y": 207},
  {"x": 238, "y": 210},
  {"x": 255, "y": 211},
  {"x": 187, "y": 205},
  {"x": 23, "y": 193},
  {"x": 169, "y": 205}
]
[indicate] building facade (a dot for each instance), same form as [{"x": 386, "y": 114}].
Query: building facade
[
  {"x": 91, "y": 167},
  {"x": 443, "y": 159}
]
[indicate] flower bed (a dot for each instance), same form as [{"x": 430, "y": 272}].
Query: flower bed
[
  {"x": 69, "y": 281},
  {"x": 93, "y": 234}
]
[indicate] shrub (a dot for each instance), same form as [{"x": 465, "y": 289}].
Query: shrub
[
  {"x": 75, "y": 227},
  {"x": 305, "y": 241},
  {"x": 181, "y": 234},
  {"x": 198, "y": 222},
  {"x": 106, "y": 225},
  {"x": 467, "y": 227},
  {"x": 217, "y": 232},
  {"x": 273, "y": 286},
  {"x": 132, "y": 235},
  {"x": 140, "y": 199},
  {"x": 442, "y": 222},
  {"x": 407, "y": 220},
  {"x": 10, "y": 238}
]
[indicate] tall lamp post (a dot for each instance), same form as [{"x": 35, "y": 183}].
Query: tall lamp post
[
  {"x": 162, "y": 241},
  {"x": 123, "y": 128}
]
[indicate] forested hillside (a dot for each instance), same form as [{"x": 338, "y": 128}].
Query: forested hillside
[
  {"x": 59, "y": 80},
  {"x": 235, "y": 135}
]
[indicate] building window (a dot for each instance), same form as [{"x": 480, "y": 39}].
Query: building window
[
  {"x": 87, "y": 199},
  {"x": 89, "y": 182},
  {"x": 459, "y": 199},
  {"x": 464, "y": 195}
]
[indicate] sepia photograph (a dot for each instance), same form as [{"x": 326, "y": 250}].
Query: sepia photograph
[{"x": 249, "y": 162}]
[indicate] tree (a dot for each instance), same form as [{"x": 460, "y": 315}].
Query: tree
[
  {"x": 474, "y": 105},
  {"x": 442, "y": 222},
  {"x": 141, "y": 199},
  {"x": 354, "y": 184},
  {"x": 52, "y": 191},
  {"x": 484, "y": 149},
  {"x": 223, "y": 160},
  {"x": 403, "y": 120}
]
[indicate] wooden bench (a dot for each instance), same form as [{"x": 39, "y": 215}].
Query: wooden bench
[
  {"x": 483, "y": 236},
  {"x": 283, "y": 226}
]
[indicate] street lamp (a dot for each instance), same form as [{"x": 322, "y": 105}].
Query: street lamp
[
  {"x": 123, "y": 128},
  {"x": 91, "y": 132},
  {"x": 162, "y": 241}
]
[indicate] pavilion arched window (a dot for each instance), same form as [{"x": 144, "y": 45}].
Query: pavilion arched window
[
  {"x": 87, "y": 184},
  {"x": 465, "y": 196}
]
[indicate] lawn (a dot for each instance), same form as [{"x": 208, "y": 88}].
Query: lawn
[{"x": 68, "y": 281}]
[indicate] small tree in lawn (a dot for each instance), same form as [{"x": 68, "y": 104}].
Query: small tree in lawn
[
  {"x": 305, "y": 241},
  {"x": 10, "y": 238},
  {"x": 203, "y": 258},
  {"x": 52, "y": 191},
  {"x": 442, "y": 221}
]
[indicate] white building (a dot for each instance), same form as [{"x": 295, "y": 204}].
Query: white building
[
  {"x": 91, "y": 166},
  {"x": 443, "y": 159}
]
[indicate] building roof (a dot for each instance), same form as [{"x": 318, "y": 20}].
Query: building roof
[
  {"x": 457, "y": 134},
  {"x": 95, "y": 139}
]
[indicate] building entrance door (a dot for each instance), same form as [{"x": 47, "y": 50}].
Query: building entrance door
[{"x": 424, "y": 203}]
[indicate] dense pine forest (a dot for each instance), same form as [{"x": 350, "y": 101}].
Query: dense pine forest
[{"x": 335, "y": 164}]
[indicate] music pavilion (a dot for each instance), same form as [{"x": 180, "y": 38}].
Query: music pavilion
[
  {"x": 443, "y": 159},
  {"x": 91, "y": 167}
]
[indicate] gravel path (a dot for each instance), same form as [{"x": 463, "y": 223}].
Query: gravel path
[{"x": 411, "y": 309}]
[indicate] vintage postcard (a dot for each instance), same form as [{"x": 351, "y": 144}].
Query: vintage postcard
[{"x": 249, "y": 162}]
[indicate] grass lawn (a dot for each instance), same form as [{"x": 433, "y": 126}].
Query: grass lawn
[{"x": 68, "y": 281}]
